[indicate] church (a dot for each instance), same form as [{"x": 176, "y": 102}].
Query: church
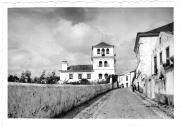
[{"x": 103, "y": 64}]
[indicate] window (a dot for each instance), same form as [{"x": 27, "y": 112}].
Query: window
[
  {"x": 100, "y": 76},
  {"x": 106, "y": 76},
  {"x": 160, "y": 40},
  {"x": 107, "y": 51},
  {"x": 70, "y": 76},
  {"x": 89, "y": 76},
  {"x": 167, "y": 54},
  {"x": 98, "y": 51},
  {"x": 126, "y": 84},
  {"x": 105, "y": 64},
  {"x": 100, "y": 63},
  {"x": 161, "y": 58},
  {"x": 126, "y": 78},
  {"x": 103, "y": 52},
  {"x": 79, "y": 76},
  {"x": 155, "y": 65}
]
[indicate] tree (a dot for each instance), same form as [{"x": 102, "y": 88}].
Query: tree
[
  {"x": 42, "y": 78},
  {"x": 13, "y": 78},
  {"x": 28, "y": 76},
  {"x": 52, "y": 78},
  {"x": 23, "y": 78},
  {"x": 36, "y": 80}
]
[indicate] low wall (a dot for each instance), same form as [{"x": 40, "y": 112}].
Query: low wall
[
  {"x": 161, "y": 90},
  {"x": 46, "y": 101}
]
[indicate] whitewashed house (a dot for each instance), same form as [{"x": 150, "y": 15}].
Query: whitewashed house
[
  {"x": 103, "y": 65},
  {"x": 144, "y": 46},
  {"x": 163, "y": 67},
  {"x": 125, "y": 80}
]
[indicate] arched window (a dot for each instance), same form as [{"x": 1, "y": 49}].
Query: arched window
[
  {"x": 98, "y": 51},
  {"x": 100, "y": 76},
  {"x": 106, "y": 76},
  {"x": 103, "y": 52},
  {"x": 100, "y": 63},
  {"x": 107, "y": 51},
  {"x": 105, "y": 64}
]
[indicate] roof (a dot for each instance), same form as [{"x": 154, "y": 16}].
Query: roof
[
  {"x": 155, "y": 32},
  {"x": 103, "y": 44},
  {"x": 79, "y": 68}
]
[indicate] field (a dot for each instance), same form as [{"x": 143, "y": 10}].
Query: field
[{"x": 46, "y": 101}]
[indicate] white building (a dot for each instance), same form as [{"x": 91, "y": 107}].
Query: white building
[
  {"x": 144, "y": 46},
  {"x": 103, "y": 65},
  {"x": 163, "y": 67},
  {"x": 125, "y": 80}
]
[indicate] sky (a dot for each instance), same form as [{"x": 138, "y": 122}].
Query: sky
[{"x": 40, "y": 38}]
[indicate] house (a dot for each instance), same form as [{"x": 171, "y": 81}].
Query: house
[
  {"x": 103, "y": 65},
  {"x": 144, "y": 45},
  {"x": 125, "y": 80},
  {"x": 163, "y": 68}
]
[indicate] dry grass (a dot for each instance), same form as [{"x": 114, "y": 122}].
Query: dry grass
[{"x": 46, "y": 101}]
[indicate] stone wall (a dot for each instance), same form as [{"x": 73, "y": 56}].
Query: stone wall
[{"x": 46, "y": 101}]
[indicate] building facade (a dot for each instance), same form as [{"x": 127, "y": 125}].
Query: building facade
[
  {"x": 144, "y": 46},
  {"x": 103, "y": 65},
  {"x": 154, "y": 72},
  {"x": 125, "y": 80},
  {"x": 163, "y": 67}
]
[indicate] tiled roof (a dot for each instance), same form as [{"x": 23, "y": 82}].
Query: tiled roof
[
  {"x": 80, "y": 68},
  {"x": 155, "y": 32},
  {"x": 103, "y": 44},
  {"x": 165, "y": 28}
]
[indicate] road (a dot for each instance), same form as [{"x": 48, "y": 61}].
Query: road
[{"x": 117, "y": 104}]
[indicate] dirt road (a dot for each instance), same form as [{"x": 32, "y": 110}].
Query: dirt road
[{"x": 116, "y": 104}]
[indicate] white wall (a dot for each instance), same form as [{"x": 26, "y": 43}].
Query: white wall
[
  {"x": 122, "y": 79},
  {"x": 167, "y": 40},
  {"x": 97, "y": 72},
  {"x": 65, "y": 76},
  {"x": 170, "y": 82},
  {"x": 96, "y": 63},
  {"x": 147, "y": 44}
]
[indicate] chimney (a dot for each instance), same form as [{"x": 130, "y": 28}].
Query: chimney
[{"x": 64, "y": 65}]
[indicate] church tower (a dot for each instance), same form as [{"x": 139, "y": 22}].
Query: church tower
[{"x": 103, "y": 60}]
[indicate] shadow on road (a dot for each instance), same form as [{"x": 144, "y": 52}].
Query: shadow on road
[{"x": 76, "y": 110}]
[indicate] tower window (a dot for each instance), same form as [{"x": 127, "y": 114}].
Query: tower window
[
  {"x": 103, "y": 52},
  {"x": 100, "y": 76},
  {"x": 126, "y": 78},
  {"x": 107, "y": 51},
  {"x": 100, "y": 63},
  {"x": 98, "y": 51},
  {"x": 105, "y": 64},
  {"x": 79, "y": 76}
]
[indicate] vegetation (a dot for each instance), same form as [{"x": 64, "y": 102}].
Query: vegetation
[{"x": 26, "y": 77}]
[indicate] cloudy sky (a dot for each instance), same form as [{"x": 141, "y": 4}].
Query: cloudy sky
[{"x": 40, "y": 38}]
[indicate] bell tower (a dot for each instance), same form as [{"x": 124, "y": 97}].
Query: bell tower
[{"x": 103, "y": 59}]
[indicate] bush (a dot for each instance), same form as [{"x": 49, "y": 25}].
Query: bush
[{"x": 84, "y": 81}]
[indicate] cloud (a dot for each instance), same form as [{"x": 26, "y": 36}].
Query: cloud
[
  {"x": 75, "y": 15},
  {"x": 40, "y": 38}
]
